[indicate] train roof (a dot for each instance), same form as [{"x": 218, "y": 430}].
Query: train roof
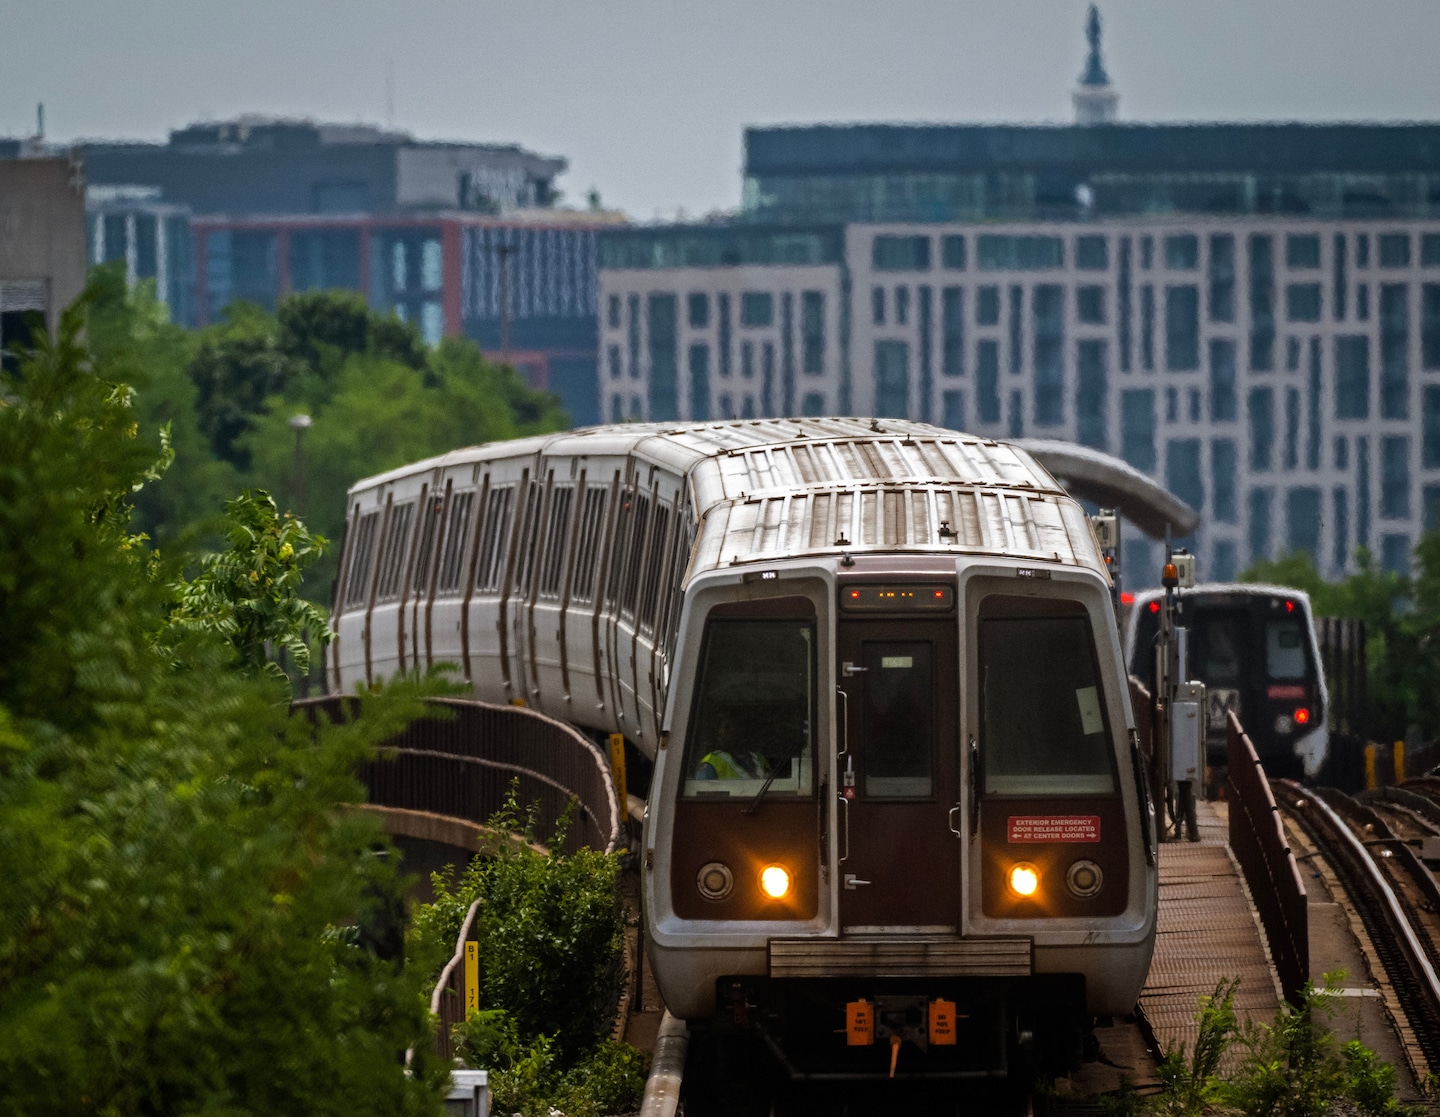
[
  {"x": 1229, "y": 589},
  {"x": 776, "y": 488}
]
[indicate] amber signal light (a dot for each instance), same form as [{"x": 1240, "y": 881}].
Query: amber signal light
[
  {"x": 775, "y": 881},
  {"x": 1024, "y": 879}
]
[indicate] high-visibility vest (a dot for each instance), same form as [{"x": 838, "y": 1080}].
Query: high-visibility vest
[{"x": 724, "y": 766}]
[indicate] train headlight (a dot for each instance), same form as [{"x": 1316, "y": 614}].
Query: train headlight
[
  {"x": 1084, "y": 879},
  {"x": 775, "y": 881},
  {"x": 1024, "y": 879},
  {"x": 715, "y": 881}
]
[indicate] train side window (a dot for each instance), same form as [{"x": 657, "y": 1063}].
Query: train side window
[
  {"x": 490, "y": 565},
  {"x": 587, "y": 544},
  {"x": 655, "y": 564},
  {"x": 557, "y": 534},
  {"x": 1284, "y": 650},
  {"x": 1042, "y": 710},
  {"x": 358, "y": 583},
  {"x": 634, "y": 556},
  {"x": 619, "y": 550},
  {"x": 525, "y": 557},
  {"x": 754, "y": 709},
  {"x": 452, "y": 563},
  {"x": 429, "y": 528},
  {"x": 392, "y": 558}
]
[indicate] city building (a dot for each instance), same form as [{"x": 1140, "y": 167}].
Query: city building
[
  {"x": 461, "y": 239},
  {"x": 42, "y": 244},
  {"x": 1249, "y": 313}
]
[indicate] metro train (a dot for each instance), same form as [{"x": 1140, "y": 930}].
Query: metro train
[
  {"x": 897, "y": 822},
  {"x": 1254, "y": 647}
]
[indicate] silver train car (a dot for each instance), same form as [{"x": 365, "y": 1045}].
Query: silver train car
[{"x": 897, "y": 808}]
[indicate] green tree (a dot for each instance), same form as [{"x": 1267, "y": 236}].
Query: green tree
[{"x": 178, "y": 879}]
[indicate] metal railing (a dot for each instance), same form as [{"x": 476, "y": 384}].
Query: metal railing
[
  {"x": 464, "y": 761},
  {"x": 1257, "y": 838}
]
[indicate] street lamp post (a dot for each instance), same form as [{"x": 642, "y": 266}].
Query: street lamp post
[{"x": 300, "y": 424}]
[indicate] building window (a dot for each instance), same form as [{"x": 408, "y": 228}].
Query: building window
[
  {"x": 1430, "y": 250},
  {"x": 633, "y": 335},
  {"x": 612, "y": 355},
  {"x": 1182, "y": 471},
  {"x": 1147, "y": 252},
  {"x": 987, "y": 381},
  {"x": 1259, "y": 524},
  {"x": 1222, "y": 278},
  {"x": 1431, "y": 511},
  {"x": 1362, "y": 301},
  {"x": 727, "y": 405},
  {"x": 1362, "y": 251},
  {"x": 987, "y": 306},
  {"x": 1137, "y": 428},
  {"x": 1292, "y": 428},
  {"x": 1362, "y": 492},
  {"x": 1430, "y": 325},
  {"x": 613, "y": 312},
  {"x": 1292, "y": 354},
  {"x": 617, "y": 408},
  {"x": 812, "y": 331},
  {"x": 1122, "y": 304},
  {"x": 1395, "y": 478},
  {"x": 1017, "y": 422},
  {"x": 1194, "y": 405},
  {"x": 431, "y": 273},
  {"x": 1049, "y": 355},
  {"x": 661, "y": 314},
  {"x": 1182, "y": 253},
  {"x": 1352, "y": 377},
  {"x": 1261, "y": 407},
  {"x": 1091, "y": 391},
  {"x": 723, "y": 340},
  {"x": 1182, "y": 328},
  {"x": 1172, "y": 405},
  {"x": 952, "y": 328},
  {"x": 1342, "y": 453},
  {"x": 900, "y": 254},
  {"x": 892, "y": 379},
  {"x": 1019, "y": 253},
  {"x": 952, "y": 252},
  {"x": 1302, "y": 522},
  {"x": 747, "y": 407},
  {"x": 1302, "y": 302},
  {"x": 432, "y": 322},
  {"x": 767, "y": 377},
  {"x": 1225, "y": 560},
  {"x": 902, "y": 306},
  {"x": 1395, "y": 250},
  {"x": 698, "y": 310},
  {"x": 1341, "y": 288},
  {"x": 1147, "y": 327},
  {"x": 1017, "y": 321},
  {"x": 757, "y": 308},
  {"x": 953, "y": 401},
  {"x": 1222, "y": 479},
  {"x": 637, "y": 408},
  {"x": 1262, "y": 303},
  {"x": 1312, "y": 443},
  {"x": 1091, "y": 253},
  {"x": 1340, "y": 530},
  {"x": 1395, "y": 554},
  {"x": 1430, "y": 436},
  {"x": 813, "y": 405},
  {"x": 1090, "y": 305},
  {"x": 747, "y": 359},
  {"x": 877, "y": 306},
  {"x": 1302, "y": 250},
  {"x": 700, "y": 382},
  {"x": 1222, "y": 380},
  {"x": 1394, "y": 350}
]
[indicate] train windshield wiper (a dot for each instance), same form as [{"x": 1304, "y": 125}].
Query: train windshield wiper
[{"x": 775, "y": 772}]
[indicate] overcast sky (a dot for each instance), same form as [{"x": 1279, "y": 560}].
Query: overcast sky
[{"x": 648, "y": 98}]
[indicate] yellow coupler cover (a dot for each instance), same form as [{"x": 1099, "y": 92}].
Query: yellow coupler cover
[{"x": 859, "y": 1023}]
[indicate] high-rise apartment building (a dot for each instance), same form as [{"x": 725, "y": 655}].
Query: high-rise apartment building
[{"x": 1248, "y": 313}]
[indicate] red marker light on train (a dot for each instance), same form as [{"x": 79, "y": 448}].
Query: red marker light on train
[
  {"x": 1289, "y": 606},
  {"x": 1302, "y": 716},
  {"x": 1154, "y": 606},
  {"x": 1127, "y": 599},
  {"x": 939, "y": 594},
  {"x": 854, "y": 595}
]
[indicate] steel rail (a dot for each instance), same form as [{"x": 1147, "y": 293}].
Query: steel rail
[{"x": 1413, "y": 976}]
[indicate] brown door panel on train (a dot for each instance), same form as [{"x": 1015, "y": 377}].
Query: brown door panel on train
[{"x": 899, "y": 774}]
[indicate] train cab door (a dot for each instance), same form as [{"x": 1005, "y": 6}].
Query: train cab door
[{"x": 898, "y": 776}]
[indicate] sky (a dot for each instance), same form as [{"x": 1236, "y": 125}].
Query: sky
[{"x": 648, "y": 99}]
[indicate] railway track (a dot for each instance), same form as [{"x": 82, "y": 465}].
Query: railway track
[{"x": 1395, "y": 895}]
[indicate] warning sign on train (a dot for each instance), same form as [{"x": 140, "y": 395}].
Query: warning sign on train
[{"x": 1054, "y": 828}]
